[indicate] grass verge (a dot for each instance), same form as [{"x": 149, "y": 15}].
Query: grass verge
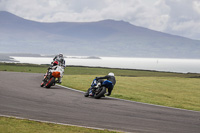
[{"x": 13, "y": 125}]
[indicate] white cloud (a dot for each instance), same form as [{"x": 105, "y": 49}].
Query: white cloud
[
  {"x": 180, "y": 17},
  {"x": 183, "y": 18},
  {"x": 196, "y": 6}
]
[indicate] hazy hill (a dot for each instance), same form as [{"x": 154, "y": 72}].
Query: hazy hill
[{"x": 102, "y": 38}]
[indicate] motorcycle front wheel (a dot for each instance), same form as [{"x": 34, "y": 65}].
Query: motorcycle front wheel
[
  {"x": 50, "y": 82},
  {"x": 100, "y": 92},
  {"x": 87, "y": 93},
  {"x": 42, "y": 84}
]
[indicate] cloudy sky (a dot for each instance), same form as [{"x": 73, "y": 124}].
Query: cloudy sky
[{"x": 178, "y": 17}]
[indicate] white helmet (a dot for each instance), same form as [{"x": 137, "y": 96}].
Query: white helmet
[
  {"x": 61, "y": 55},
  {"x": 111, "y": 74}
]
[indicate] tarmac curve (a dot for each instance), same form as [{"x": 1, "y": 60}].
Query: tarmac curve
[{"x": 22, "y": 96}]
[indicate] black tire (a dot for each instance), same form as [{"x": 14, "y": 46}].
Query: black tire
[
  {"x": 87, "y": 93},
  {"x": 101, "y": 93},
  {"x": 50, "y": 82}
]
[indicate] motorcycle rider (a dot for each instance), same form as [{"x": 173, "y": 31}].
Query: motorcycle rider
[
  {"x": 61, "y": 61},
  {"x": 109, "y": 83}
]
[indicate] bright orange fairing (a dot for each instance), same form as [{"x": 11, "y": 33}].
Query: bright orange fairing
[{"x": 56, "y": 74}]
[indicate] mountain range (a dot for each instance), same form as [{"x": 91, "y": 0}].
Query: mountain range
[{"x": 101, "y": 38}]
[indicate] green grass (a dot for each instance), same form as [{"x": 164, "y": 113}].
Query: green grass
[
  {"x": 13, "y": 125},
  {"x": 76, "y": 70},
  {"x": 17, "y": 67}
]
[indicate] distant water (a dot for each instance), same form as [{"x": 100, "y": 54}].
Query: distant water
[{"x": 158, "y": 64}]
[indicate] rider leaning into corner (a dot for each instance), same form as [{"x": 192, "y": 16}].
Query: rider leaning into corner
[
  {"x": 61, "y": 62},
  {"x": 109, "y": 83}
]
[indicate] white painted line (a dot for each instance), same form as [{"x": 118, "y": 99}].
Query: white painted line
[
  {"x": 59, "y": 123},
  {"x": 70, "y": 88},
  {"x": 133, "y": 101},
  {"x": 155, "y": 105}
]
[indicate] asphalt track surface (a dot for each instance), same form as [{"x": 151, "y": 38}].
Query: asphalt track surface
[{"x": 22, "y": 96}]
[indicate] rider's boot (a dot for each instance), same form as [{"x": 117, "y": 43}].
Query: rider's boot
[
  {"x": 108, "y": 94},
  {"x": 60, "y": 80}
]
